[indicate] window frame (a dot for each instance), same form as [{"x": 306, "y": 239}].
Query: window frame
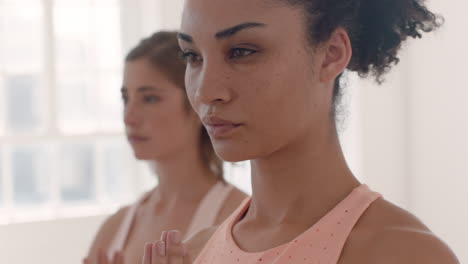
[{"x": 54, "y": 208}]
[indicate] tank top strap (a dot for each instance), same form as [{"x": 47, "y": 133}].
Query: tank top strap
[
  {"x": 329, "y": 235},
  {"x": 346, "y": 216},
  {"x": 121, "y": 235},
  {"x": 209, "y": 208},
  {"x": 222, "y": 233}
]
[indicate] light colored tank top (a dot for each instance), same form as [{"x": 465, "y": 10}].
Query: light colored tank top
[
  {"x": 204, "y": 217},
  {"x": 320, "y": 244}
]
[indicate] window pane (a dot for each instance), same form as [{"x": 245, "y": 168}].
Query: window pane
[
  {"x": 89, "y": 63},
  {"x": 1, "y": 179},
  {"x": 22, "y": 97},
  {"x": 87, "y": 104},
  {"x": 87, "y": 34},
  {"x": 2, "y": 107},
  {"x": 23, "y": 2},
  {"x": 72, "y": 24},
  {"x": 77, "y": 173},
  {"x": 31, "y": 179},
  {"x": 109, "y": 101},
  {"x": 118, "y": 168},
  {"x": 108, "y": 37},
  {"x": 21, "y": 23},
  {"x": 77, "y": 105}
]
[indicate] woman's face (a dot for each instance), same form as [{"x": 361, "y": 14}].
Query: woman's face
[
  {"x": 157, "y": 121},
  {"x": 252, "y": 76}
]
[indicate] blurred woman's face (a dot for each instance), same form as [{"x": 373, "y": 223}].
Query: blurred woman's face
[
  {"x": 251, "y": 75},
  {"x": 157, "y": 122}
]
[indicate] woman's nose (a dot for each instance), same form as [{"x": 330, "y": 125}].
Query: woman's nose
[
  {"x": 211, "y": 86},
  {"x": 132, "y": 117}
]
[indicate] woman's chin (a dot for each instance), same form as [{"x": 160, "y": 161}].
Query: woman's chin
[
  {"x": 231, "y": 154},
  {"x": 142, "y": 156}
]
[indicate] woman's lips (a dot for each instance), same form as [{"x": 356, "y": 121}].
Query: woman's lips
[
  {"x": 218, "y": 127},
  {"x": 218, "y": 131},
  {"x": 137, "y": 139}
]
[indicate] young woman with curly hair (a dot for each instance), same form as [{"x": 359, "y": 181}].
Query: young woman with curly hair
[{"x": 264, "y": 77}]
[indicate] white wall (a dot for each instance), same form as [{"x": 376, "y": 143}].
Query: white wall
[
  {"x": 438, "y": 138},
  {"x": 51, "y": 242},
  {"x": 415, "y": 130},
  {"x": 171, "y": 16}
]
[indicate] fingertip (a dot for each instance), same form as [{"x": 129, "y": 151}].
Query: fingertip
[
  {"x": 120, "y": 257},
  {"x": 160, "y": 248},
  {"x": 147, "y": 253},
  {"x": 102, "y": 258},
  {"x": 164, "y": 235},
  {"x": 148, "y": 247},
  {"x": 175, "y": 237},
  {"x": 184, "y": 249},
  {"x": 117, "y": 257}
]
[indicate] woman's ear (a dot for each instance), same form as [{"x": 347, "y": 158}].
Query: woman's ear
[{"x": 338, "y": 54}]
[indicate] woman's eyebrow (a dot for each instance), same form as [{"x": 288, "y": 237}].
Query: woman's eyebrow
[
  {"x": 141, "y": 89},
  {"x": 229, "y": 32},
  {"x": 184, "y": 37},
  {"x": 225, "y": 33}
]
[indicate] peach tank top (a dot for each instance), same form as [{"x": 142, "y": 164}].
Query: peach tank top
[{"x": 320, "y": 244}]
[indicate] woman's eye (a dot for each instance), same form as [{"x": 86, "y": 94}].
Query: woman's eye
[
  {"x": 240, "y": 52},
  {"x": 190, "y": 57},
  {"x": 150, "y": 99}
]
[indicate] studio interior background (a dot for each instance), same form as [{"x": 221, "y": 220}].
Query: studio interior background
[{"x": 65, "y": 164}]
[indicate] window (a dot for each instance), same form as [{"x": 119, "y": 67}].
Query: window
[{"x": 62, "y": 151}]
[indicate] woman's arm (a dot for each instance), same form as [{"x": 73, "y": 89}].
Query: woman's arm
[{"x": 105, "y": 235}]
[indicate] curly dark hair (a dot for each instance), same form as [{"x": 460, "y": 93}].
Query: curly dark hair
[{"x": 376, "y": 28}]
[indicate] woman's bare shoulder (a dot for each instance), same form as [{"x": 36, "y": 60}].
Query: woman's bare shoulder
[
  {"x": 107, "y": 231},
  {"x": 233, "y": 201},
  {"x": 389, "y": 234}
]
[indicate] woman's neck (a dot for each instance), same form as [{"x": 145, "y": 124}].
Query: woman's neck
[
  {"x": 301, "y": 183},
  {"x": 182, "y": 177}
]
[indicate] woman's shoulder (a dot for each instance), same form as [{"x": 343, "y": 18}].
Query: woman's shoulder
[
  {"x": 387, "y": 233},
  {"x": 232, "y": 202},
  {"x": 107, "y": 231}
]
